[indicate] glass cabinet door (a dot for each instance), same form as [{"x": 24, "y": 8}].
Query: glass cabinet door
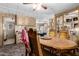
[{"x": 72, "y": 22}]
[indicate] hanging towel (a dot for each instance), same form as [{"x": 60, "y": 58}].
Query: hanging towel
[{"x": 25, "y": 38}]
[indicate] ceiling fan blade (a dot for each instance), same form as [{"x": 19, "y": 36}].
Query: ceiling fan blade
[
  {"x": 45, "y": 7},
  {"x": 27, "y": 3}
]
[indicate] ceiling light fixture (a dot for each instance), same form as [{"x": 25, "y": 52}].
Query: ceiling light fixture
[{"x": 39, "y": 7}]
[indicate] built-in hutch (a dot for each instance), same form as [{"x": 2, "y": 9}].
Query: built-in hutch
[{"x": 69, "y": 20}]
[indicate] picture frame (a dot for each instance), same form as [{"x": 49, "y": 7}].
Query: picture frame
[
  {"x": 68, "y": 20},
  {"x": 75, "y": 18}
]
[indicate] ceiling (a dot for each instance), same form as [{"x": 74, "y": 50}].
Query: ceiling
[{"x": 27, "y": 10}]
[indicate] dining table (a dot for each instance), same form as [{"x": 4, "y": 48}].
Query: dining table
[{"x": 60, "y": 45}]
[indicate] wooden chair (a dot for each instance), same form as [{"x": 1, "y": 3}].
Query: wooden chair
[
  {"x": 52, "y": 33},
  {"x": 46, "y": 51},
  {"x": 77, "y": 44},
  {"x": 64, "y": 35},
  {"x": 34, "y": 42}
]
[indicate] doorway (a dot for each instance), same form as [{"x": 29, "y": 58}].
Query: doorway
[
  {"x": 42, "y": 29},
  {"x": 8, "y": 30}
]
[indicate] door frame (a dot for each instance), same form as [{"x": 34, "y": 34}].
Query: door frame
[{"x": 3, "y": 30}]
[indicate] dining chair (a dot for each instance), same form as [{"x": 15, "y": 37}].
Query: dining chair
[
  {"x": 64, "y": 35},
  {"x": 47, "y": 51},
  {"x": 34, "y": 42},
  {"x": 77, "y": 44},
  {"x": 52, "y": 33}
]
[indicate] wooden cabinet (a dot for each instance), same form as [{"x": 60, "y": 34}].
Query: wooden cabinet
[
  {"x": 26, "y": 21},
  {"x": 68, "y": 20},
  {"x": 21, "y": 22}
]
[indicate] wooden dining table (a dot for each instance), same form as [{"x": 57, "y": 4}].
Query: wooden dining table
[{"x": 58, "y": 44}]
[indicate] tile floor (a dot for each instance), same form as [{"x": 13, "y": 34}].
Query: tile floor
[
  {"x": 12, "y": 50},
  {"x": 18, "y": 50}
]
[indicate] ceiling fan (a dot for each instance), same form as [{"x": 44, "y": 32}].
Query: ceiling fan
[{"x": 37, "y": 6}]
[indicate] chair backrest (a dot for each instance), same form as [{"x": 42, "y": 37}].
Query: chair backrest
[
  {"x": 64, "y": 35},
  {"x": 52, "y": 33},
  {"x": 77, "y": 41},
  {"x": 34, "y": 41}
]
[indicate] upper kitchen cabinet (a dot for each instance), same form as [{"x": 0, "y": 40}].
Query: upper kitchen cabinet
[
  {"x": 30, "y": 21},
  {"x": 71, "y": 19},
  {"x": 68, "y": 19}
]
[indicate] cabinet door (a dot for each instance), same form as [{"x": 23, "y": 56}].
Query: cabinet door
[{"x": 19, "y": 20}]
